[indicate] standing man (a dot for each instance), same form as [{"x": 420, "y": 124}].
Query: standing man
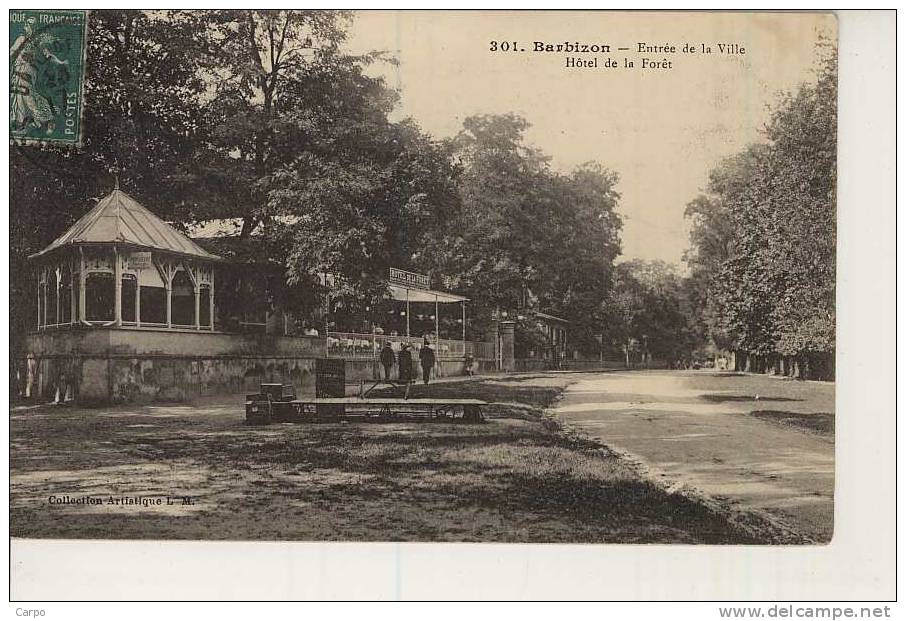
[
  {"x": 388, "y": 358},
  {"x": 426, "y": 355},
  {"x": 405, "y": 363}
]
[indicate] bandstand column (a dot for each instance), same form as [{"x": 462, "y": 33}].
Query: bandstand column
[
  {"x": 82, "y": 305},
  {"x": 436, "y": 322},
  {"x": 38, "y": 300},
  {"x": 73, "y": 307},
  {"x": 44, "y": 298},
  {"x": 117, "y": 287},
  {"x": 168, "y": 272},
  {"x": 211, "y": 300},
  {"x": 58, "y": 283},
  {"x": 169, "y": 302},
  {"x": 197, "y": 289},
  {"x": 138, "y": 299}
]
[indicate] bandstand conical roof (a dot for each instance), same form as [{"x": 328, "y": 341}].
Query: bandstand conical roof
[{"x": 119, "y": 218}]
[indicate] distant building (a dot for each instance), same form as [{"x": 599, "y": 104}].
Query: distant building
[
  {"x": 554, "y": 328},
  {"x": 545, "y": 345}
]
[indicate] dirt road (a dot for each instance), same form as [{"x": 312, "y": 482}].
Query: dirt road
[{"x": 697, "y": 430}]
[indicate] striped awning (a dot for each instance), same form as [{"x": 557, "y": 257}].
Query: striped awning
[{"x": 402, "y": 294}]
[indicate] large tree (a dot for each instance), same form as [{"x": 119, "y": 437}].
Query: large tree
[
  {"x": 494, "y": 254},
  {"x": 264, "y": 70},
  {"x": 355, "y": 215},
  {"x": 716, "y": 300},
  {"x": 529, "y": 238},
  {"x": 304, "y": 154},
  {"x": 764, "y": 238}
]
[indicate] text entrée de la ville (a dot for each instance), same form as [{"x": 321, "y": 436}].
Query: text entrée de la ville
[{"x": 640, "y": 55}]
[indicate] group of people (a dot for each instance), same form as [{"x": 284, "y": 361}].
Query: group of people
[{"x": 404, "y": 360}]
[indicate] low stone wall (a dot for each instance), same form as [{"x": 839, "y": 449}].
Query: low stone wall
[
  {"x": 532, "y": 364},
  {"x": 103, "y": 365},
  {"x": 156, "y": 342},
  {"x": 357, "y": 370},
  {"x": 587, "y": 365},
  {"x": 159, "y": 378},
  {"x": 535, "y": 364}
]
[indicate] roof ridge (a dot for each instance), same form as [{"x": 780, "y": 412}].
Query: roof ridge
[
  {"x": 133, "y": 223},
  {"x": 117, "y": 231},
  {"x": 168, "y": 228},
  {"x": 80, "y": 225}
]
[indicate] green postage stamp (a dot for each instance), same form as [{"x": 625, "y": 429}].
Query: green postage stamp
[{"x": 46, "y": 71}]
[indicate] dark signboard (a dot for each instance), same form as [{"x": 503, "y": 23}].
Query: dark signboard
[
  {"x": 330, "y": 377},
  {"x": 330, "y": 381},
  {"x": 408, "y": 279}
]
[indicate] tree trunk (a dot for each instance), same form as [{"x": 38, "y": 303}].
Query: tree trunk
[{"x": 739, "y": 361}]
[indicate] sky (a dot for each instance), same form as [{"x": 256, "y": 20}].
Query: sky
[{"x": 661, "y": 130}]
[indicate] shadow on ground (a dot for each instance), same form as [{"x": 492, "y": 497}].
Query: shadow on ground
[
  {"x": 515, "y": 478},
  {"x": 742, "y": 398},
  {"x": 822, "y": 422}
]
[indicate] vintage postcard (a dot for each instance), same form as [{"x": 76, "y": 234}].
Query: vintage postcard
[{"x": 423, "y": 276}]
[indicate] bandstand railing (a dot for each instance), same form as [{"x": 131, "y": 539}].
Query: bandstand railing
[{"x": 351, "y": 345}]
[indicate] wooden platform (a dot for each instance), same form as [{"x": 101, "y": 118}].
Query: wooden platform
[
  {"x": 385, "y": 401},
  {"x": 262, "y": 410}
]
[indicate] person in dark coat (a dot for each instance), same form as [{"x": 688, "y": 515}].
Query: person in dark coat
[
  {"x": 405, "y": 363},
  {"x": 426, "y": 355},
  {"x": 388, "y": 359}
]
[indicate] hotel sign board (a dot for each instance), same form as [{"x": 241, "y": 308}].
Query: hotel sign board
[
  {"x": 408, "y": 279},
  {"x": 139, "y": 261}
]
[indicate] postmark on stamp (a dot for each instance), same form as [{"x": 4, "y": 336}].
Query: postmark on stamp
[{"x": 46, "y": 74}]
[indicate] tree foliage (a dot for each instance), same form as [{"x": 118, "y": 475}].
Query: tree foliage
[
  {"x": 302, "y": 151},
  {"x": 263, "y": 117},
  {"x": 764, "y": 237},
  {"x": 647, "y": 312},
  {"x": 526, "y": 237}
]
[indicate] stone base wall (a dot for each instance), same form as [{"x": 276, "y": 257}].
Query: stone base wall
[
  {"x": 155, "y": 342},
  {"x": 357, "y": 370},
  {"x": 109, "y": 365},
  {"x": 588, "y": 365},
  {"x": 161, "y": 378},
  {"x": 533, "y": 364},
  {"x": 567, "y": 364}
]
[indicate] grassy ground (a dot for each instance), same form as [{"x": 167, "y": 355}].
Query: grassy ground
[
  {"x": 516, "y": 477},
  {"x": 797, "y": 404}
]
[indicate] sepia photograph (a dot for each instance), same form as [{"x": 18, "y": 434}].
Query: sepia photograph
[
  {"x": 298, "y": 284},
  {"x": 423, "y": 276}
]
